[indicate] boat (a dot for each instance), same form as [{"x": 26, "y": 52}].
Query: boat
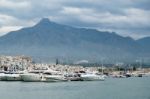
[
  {"x": 53, "y": 76},
  {"x": 92, "y": 77},
  {"x": 140, "y": 75},
  {"x": 73, "y": 77},
  {"x": 2, "y": 76},
  {"x": 34, "y": 76},
  {"x": 31, "y": 77},
  {"x": 12, "y": 77},
  {"x": 119, "y": 76}
]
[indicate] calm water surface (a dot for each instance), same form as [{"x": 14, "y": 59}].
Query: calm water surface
[{"x": 112, "y": 88}]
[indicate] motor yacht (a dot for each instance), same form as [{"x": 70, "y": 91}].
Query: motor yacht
[
  {"x": 53, "y": 76},
  {"x": 73, "y": 77},
  {"x": 12, "y": 77},
  {"x": 2, "y": 76},
  {"x": 92, "y": 77},
  {"x": 31, "y": 77}
]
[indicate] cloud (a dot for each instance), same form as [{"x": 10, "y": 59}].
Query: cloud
[
  {"x": 128, "y": 17},
  {"x": 132, "y": 17},
  {"x": 9, "y": 4},
  {"x": 6, "y": 29},
  {"x": 8, "y": 20},
  {"x": 10, "y": 23}
]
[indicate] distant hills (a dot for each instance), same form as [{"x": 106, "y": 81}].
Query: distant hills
[{"x": 48, "y": 40}]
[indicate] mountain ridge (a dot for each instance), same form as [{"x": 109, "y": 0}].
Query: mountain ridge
[{"x": 50, "y": 39}]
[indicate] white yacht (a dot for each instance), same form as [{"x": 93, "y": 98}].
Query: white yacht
[
  {"x": 92, "y": 77},
  {"x": 31, "y": 77},
  {"x": 53, "y": 76},
  {"x": 12, "y": 77},
  {"x": 2, "y": 76},
  {"x": 34, "y": 75},
  {"x": 73, "y": 77}
]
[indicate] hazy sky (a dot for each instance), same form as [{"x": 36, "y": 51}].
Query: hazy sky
[{"x": 126, "y": 17}]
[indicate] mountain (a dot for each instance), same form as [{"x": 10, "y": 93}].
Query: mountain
[
  {"x": 48, "y": 40},
  {"x": 145, "y": 43}
]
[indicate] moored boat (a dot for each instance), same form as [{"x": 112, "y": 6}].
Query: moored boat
[
  {"x": 2, "y": 76},
  {"x": 73, "y": 77},
  {"x": 31, "y": 77},
  {"x": 54, "y": 78},
  {"x": 92, "y": 77},
  {"x": 12, "y": 77}
]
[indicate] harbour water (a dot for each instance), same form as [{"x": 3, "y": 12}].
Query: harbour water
[{"x": 111, "y": 88}]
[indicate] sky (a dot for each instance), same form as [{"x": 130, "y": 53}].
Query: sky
[{"x": 125, "y": 17}]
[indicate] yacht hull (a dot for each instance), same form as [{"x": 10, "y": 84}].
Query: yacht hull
[
  {"x": 53, "y": 78},
  {"x": 92, "y": 78},
  {"x": 31, "y": 77},
  {"x": 13, "y": 77},
  {"x": 2, "y": 77}
]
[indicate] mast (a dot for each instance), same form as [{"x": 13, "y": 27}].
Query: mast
[
  {"x": 57, "y": 61},
  {"x": 102, "y": 66}
]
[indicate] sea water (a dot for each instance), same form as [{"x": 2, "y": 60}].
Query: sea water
[{"x": 111, "y": 88}]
